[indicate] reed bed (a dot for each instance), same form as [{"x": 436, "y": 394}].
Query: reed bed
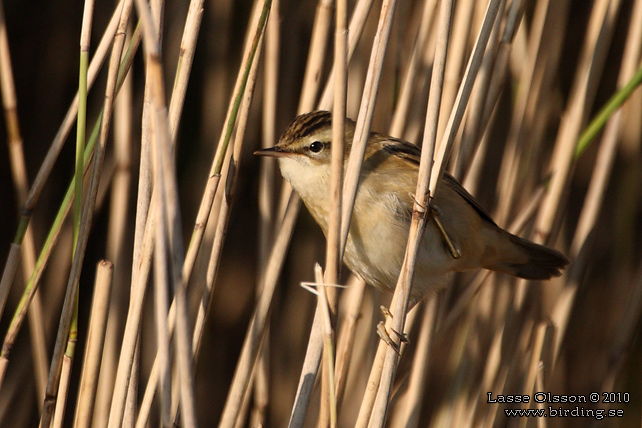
[{"x": 152, "y": 272}]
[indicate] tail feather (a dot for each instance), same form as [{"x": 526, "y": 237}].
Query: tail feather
[{"x": 536, "y": 262}]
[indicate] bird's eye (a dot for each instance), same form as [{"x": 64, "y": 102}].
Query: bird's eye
[{"x": 316, "y": 146}]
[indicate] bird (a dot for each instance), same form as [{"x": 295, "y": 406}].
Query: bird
[{"x": 462, "y": 236}]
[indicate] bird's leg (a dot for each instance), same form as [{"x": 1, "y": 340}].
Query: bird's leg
[
  {"x": 435, "y": 212},
  {"x": 385, "y": 336}
]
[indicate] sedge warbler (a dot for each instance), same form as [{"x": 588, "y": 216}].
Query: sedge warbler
[{"x": 380, "y": 223}]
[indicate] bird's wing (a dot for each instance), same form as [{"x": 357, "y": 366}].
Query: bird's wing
[
  {"x": 450, "y": 181},
  {"x": 412, "y": 154},
  {"x": 401, "y": 149}
]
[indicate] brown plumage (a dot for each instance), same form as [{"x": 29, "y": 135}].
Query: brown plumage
[{"x": 381, "y": 219}]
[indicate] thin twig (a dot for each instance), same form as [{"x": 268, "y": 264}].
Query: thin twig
[
  {"x": 401, "y": 296},
  {"x": 94, "y": 348}
]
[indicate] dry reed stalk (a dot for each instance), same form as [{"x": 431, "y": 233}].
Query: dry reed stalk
[
  {"x": 116, "y": 246},
  {"x": 315, "y": 343},
  {"x": 604, "y": 161},
  {"x": 478, "y": 124},
  {"x": 56, "y": 228},
  {"x": 43, "y": 174},
  {"x": 462, "y": 23},
  {"x": 603, "y": 16},
  {"x": 464, "y": 300},
  {"x": 256, "y": 327},
  {"x": 261, "y": 400},
  {"x": 132, "y": 325},
  {"x": 328, "y": 403},
  {"x": 372, "y": 388},
  {"x": 461, "y": 101},
  {"x": 145, "y": 222},
  {"x": 541, "y": 423},
  {"x": 224, "y": 217},
  {"x": 402, "y": 290},
  {"x": 161, "y": 286},
  {"x": 504, "y": 50},
  {"x": 470, "y": 138},
  {"x": 224, "y": 210},
  {"x": 364, "y": 119},
  {"x": 148, "y": 397},
  {"x": 63, "y": 388},
  {"x": 353, "y": 297},
  {"x": 602, "y": 170},
  {"x": 113, "y": 86},
  {"x": 207, "y": 204},
  {"x": 355, "y": 31},
  {"x": 542, "y": 58},
  {"x": 165, "y": 183},
  {"x": 21, "y": 184},
  {"x": 408, "y": 416},
  {"x": 311, "y": 80},
  {"x": 327, "y": 414},
  {"x": 320, "y": 31},
  {"x": 9, "y": 104},
  {"x": 400, "y": 300},
  {"x": 313, "y": 355},
  {"x": 157, "y": 136},
  {"x": 221, "y": 149},
  {"x": 95, "y": 340},
  {"x": 427, "y": 182},
  {"x": 407, "y": 92},
  {"x": 242, "y": 374},
  {"x": 59, "y": 372},
  {"x": 491, "y": 315},
  {"x": 52, "y": 237},
  {"x": 349, "y": 191},
  {"x": 333, "y": 251},
  {"x": 184, "y": 66}
]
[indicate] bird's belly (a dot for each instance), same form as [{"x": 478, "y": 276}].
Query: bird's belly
[{"x": 376, "y": 254}]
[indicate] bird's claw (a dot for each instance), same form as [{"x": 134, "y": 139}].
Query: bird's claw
[
  {"x": 383, "y": 334},
  {"x": 382, "y": 331}
]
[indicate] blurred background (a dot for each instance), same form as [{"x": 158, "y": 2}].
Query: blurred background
[{"x": 600, "y": 344}]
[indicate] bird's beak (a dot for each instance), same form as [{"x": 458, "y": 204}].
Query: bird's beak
[{"x": 273, "y": 152}]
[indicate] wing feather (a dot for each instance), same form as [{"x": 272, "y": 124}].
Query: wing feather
[{"x": 412, "y": 154}]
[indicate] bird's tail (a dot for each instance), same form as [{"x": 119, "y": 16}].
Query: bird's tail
[{"x": 529, "y": 260}]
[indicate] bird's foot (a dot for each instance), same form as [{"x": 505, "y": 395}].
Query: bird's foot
[{"x": 382, "y": 331}]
